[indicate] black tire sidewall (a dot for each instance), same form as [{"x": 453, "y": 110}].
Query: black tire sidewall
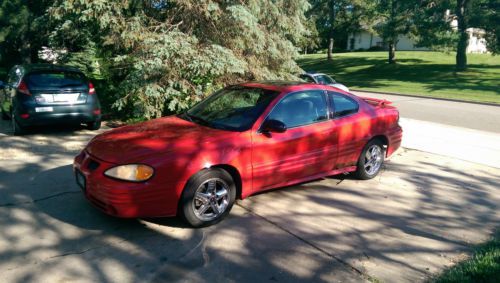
[
  {"x": 360, "y": 171},
  {"x": 17, "y": 129},
  {"x": 94, "y": 126},
  {"x": 185, "y": 204}
]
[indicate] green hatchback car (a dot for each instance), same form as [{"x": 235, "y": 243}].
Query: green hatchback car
[{"x": 42, "y": 94}]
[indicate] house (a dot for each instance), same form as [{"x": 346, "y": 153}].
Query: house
[{"x": 365, "y": 40}]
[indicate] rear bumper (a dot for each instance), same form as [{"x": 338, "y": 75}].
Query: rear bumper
[
  {"x": 395, "y": 137},
  {"x": 60, "y": 114}
]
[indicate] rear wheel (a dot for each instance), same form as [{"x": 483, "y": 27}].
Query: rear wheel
[
  {"x": 16, "y": 128},
  {"x": 4, "y": 115},
  {"x": 93, "y": 126},
  {"x": 208, "y": 197},
  {"x": 370, "y": 161}
]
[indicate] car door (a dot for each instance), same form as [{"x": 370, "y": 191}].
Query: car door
[
  {"x": 351, "y": 129},
  {"x": 306, "y": 148}
]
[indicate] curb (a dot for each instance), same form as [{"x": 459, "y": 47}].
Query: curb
[{"x": 428, "y": 97}]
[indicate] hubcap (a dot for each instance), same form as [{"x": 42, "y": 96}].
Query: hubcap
[
  {"x": 373, "y": 159},
  {"x": 211, "y": 199}
]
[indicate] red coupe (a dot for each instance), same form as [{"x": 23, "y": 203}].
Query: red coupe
[{"x": 239, "y": 141}]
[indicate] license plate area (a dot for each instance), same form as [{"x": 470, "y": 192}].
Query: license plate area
[
  {"x": 60, "y": 98},
  {"x": 80, "y": 180},
  {"x": 44, "y": 109}
]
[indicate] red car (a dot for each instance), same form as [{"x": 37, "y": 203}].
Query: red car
[{"x": 239, "y": 141}]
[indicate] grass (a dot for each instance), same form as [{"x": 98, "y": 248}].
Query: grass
[
  {"x": 416, "y": 72},
  {"x": 482, "y": 266}
]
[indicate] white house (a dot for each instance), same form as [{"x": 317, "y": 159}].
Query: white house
[{"x": 365, "y": 39}]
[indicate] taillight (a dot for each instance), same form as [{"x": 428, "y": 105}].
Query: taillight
[
  {"x": 23, "y": 88},
  {"x": 91, "y": 89}
]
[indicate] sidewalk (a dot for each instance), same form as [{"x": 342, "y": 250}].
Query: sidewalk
[{"x": 466, "y": 144}]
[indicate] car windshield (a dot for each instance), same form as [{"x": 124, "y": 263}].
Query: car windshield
[
  {"x": 307, "y": 78},
  {"x": 233, "y": 108},
  {"x": 325, "y": 80},
  {"x": 55, "y": 79}
]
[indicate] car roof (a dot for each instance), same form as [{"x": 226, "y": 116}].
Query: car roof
[
  {"x": 282, "y": 86},
  {"x": 46, "y": 67}
]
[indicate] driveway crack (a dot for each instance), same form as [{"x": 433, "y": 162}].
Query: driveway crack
[
  {"x": 313, "y": 245},
  {"x": 39, "y": 199}
]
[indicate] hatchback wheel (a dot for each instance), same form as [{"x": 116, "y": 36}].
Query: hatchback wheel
[
  {"x": 370, "y": 161},
  {"x": 16, "y": 128},
  {"x": 207, "y": 198},
  {"x": 94, "y": 126},
  {"x": 4, "y": 115}
]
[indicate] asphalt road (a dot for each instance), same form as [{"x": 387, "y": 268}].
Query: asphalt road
[
  {"x": 419, "y": 216},
  {"x": 458, "y": 114}
]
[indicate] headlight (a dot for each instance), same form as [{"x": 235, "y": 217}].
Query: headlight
[{"x": 131, "y": 172}]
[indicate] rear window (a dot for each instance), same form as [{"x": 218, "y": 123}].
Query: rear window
[{"x": 55, "y": 79}]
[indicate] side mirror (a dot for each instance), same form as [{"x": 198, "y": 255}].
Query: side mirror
[{"x": 273, "y": 126}]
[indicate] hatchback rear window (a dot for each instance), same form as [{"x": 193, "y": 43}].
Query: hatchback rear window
[{"x": 55, "y": 79}]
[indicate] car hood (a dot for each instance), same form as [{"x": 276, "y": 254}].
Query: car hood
[{"x": 155, "y": 138}]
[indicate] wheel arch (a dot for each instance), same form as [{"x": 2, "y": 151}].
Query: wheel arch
[
  {"x": 383, "y": 139},
  {"x": 235, "y": 174}
]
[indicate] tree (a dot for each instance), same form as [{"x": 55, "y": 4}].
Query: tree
[
  {"x": 165, "y": 55},
  {"x": 23, "y": 30},
  {"x": 336, "y": 19},
  {"x": 393, "y": 19},
  {"x": 448, "y": 22}
]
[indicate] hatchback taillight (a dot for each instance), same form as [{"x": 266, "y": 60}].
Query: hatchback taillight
[
  {"x": 91, "y": 89},
  {"x": 23, "y": 88}
]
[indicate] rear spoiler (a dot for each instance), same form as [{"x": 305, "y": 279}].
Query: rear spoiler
[{"x": 376, "y": 102}]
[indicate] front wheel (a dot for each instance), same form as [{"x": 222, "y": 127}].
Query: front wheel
[
  {"x": 370, "y": 161},
  {"x": 208, "y": 197},
  {"x": 94, "y": 126}
]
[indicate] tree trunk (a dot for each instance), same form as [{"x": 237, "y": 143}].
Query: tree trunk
[
  {"x": 330, "y": 48},
  {"x": 392, "y": 52},
  {"x": 393, "y": 36},
  {"x": 463, "y": 41},
  {"x": 332, "y": 30}
]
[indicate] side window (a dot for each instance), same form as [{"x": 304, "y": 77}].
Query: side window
[
  {"x": 301, "y": 108},
  {"x": 342, "y": 105}
]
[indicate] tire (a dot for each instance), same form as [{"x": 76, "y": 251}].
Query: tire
[
  {"x": 94, "y": 126},
  {"x": 216, "y": 193},
  {"x": 372, "y": 153},
  {"x": 4, "y": 115},
  {"x": 16, "y": 128}
]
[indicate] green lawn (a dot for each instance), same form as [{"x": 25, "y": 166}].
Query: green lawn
[
  {"x": 482, "y": 266},
  {"x": 417, "y": 73}
]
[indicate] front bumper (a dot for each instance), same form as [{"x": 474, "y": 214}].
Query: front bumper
[{"x": 121, "y": 198}]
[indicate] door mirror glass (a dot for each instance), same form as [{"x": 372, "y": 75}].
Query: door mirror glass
[{"x": 273, "y": 126}]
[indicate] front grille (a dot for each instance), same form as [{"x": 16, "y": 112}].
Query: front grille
[{"x": 92, "y": 165}]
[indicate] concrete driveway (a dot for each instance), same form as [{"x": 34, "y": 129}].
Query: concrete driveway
[{"x": 420, "y": 215}]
